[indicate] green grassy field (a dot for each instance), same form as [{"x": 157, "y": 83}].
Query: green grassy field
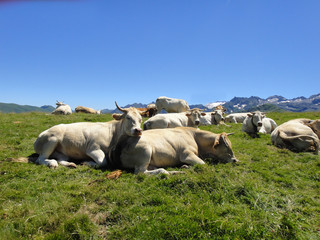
[{"x": 271, "y": 194}]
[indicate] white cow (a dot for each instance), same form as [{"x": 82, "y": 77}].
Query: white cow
[
  {"x": 252, "y": 122},
  {"x": 212, "y": 118},
  {"x": 85, "y": 140},
  {"x": 62, "y": 109},
  {"x": 81, "y": 109},
  {"x": 172, "y": 120},
  {"x": 298, "y": 135},
  {"x": 171, "y": 105},
  {"x": 236, "y": 117},
  {"x": 159, "y": 148},
  {"x": 268, "y": 125}
]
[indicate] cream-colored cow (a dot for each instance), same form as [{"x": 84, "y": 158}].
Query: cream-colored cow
[
  {"x": 81, "y": 109},
  {"x": 172, "y": 120},
  {"x": 299, "y": 135},
  {"x": 62, "y": 109},
  {"x": 171, "y": 105},
  {"x": 85, "y": 140},
  {"x": 160, "y": 148}
]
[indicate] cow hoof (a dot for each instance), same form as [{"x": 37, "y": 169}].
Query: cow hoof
[
  {"x": 72, "y": 165},
  {"x": 185, "y": 166},
  {"x": 53, "y": 164}
]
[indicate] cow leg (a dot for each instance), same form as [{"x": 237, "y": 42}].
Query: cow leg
[
  {"x": 160, "y": 171},
  {"x": 46, "y": 151},
  {"x": 190, "y": 158},
  {"x": 63, "y": 160},
  {"x": 99, "y": 159}
]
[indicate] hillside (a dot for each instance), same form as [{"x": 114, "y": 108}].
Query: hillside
[{"x": 16, "y": 108}]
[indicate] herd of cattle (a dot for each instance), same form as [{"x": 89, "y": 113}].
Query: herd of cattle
[{"x": 167, "y": 139}]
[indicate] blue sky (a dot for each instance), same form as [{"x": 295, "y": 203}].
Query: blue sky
[{"x": 95, "y": 52}]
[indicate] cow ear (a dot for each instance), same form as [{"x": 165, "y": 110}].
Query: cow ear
[
  {"x": 203, "y": 114},
  {"x": 223, "y": 138},
  {"x": 214, "y": 113},
  {"x": 188, "y": 114},
  {"x": 224, "y": 109},
  {"x": 216, "y": 142},
  {"x": 117, "y": 116},
  {"x": 250, "y": 115}
]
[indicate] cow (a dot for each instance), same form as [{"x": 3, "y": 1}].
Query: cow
[
  {"x": 251, "y": 123},
  {"x": 212, "y": 118},
  {"x": 62, "y": 109},
  {"x": 152, "y": 109},
  {"x": 171, "y": 105},
  {"x": 157, "y": 149},
  {"x": 236, "y": 117},
  {"x": 81, "y": 109},
  {"x": 85, "y": 140},
  {"x": 298, "y": 135},
  {"x": 149, "y": 111},
  {"x": 172, "y": 120},
  {"x": 268, "y": 125}
]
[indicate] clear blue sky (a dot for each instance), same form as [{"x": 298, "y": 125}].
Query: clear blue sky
[{"x": 95, "y": 52}]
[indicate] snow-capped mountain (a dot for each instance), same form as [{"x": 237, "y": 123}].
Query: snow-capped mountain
[{"x": 272, "y": 103}]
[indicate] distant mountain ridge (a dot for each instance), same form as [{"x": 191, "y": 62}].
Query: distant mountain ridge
[
  {"x": 16, "y": 108},
  {"x": 236, "y": 104},
  {"x": 274, "y": 103}
]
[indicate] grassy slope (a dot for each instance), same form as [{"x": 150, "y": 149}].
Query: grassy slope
[
  {"x": 273, "y": 193},
  {"x": 15, "y": 108}
]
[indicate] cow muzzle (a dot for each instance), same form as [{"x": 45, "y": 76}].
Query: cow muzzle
[
  {"x": 197, "y": 123},
  {"x": 137, "y": 132},
  {"x": 259, "y": 124}
]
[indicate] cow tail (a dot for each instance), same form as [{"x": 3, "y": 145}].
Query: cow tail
[{"x": 287, "y": 140}]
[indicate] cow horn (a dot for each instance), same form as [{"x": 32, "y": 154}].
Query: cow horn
[
  {"x": 121, "y": 109},
  {"x": 228, "y": 134}
]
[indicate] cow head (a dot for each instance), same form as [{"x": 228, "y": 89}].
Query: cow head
[
  {"x": 315, "y": 126},
  {"x": 131, "y": 120},
  {"x": 223, "y": 150},
  {"x": 59, "y": 104},
  {"x": 194, "y": 116},
  {"x": 217, "y": 116},
  {"x": 256, "y": 118}
]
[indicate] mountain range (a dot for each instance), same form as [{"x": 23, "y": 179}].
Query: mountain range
[{"x": 237, "y": 104}]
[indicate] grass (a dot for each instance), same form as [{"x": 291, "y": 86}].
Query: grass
[{"x": 271, "y": 194}]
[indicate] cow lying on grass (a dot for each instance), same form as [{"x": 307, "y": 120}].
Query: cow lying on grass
[
  {"x": 62, "y": 109},
  {"x": 172, "y": 120},
  {"x": 160, "y": 148},
  {"x": 85, "y": 140},
  {"x": 257, "y": 122},
  {"x": 81, "y": 109},
  {"x": 298, "y": 135}
]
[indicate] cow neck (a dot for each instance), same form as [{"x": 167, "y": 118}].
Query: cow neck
[
  {"x": 214, "y": 120},
  {"x": 255, "y": 128},
  {"x": 204, "y": 141}
]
